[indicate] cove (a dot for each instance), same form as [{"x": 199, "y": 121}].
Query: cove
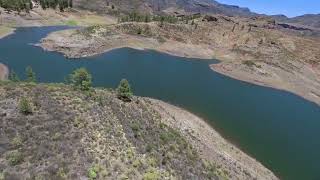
[{"x": 279, "y": 129}]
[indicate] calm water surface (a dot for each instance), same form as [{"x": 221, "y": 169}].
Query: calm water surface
[{"x": 279, "y": 129}]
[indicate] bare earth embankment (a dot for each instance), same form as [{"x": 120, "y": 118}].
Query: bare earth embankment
[
  {"x": 3, "y": 72},
  {"x": 210, "y": 144},
  {"x": 256, "y": 50}
]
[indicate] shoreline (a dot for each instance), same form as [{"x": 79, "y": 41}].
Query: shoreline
[
  {"x": 60, "y": 42},
  {"x": 4, "y": 72},
  {"x": 277, "y": 85},
  {"x": 81, "y": 47},
  {"x": 210, "y": 144}
]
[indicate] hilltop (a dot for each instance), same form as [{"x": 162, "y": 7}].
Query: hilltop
[{"x": 72, "y": 134}]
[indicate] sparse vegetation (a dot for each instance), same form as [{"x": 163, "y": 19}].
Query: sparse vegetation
[
  {"x": 125, "y": 132},
  {"x": 137, "y": 17},
  {"x": 109, "y": 139}
]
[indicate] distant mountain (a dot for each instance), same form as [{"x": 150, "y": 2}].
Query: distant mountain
[
  {"x": 312, "y": 20},
  {"x": 158, "y": 6}
]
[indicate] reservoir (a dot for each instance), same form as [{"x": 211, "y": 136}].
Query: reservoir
[{"x": 279, "y": 129}]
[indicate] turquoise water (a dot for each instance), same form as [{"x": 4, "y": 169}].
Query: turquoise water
[{"x": 277, "y": 128}]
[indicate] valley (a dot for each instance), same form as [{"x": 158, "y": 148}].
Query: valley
[
  {"x": 201, "y": 56},
  {"x": 254, "y": 50}
]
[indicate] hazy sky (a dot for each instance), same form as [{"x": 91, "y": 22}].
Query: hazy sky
[{"x": 287, "y": 7}]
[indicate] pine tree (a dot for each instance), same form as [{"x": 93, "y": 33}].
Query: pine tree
[
  {"x": 124, "y": 91},
  {"x": 31, "y": 76},
  {"x": 13, "y": 76}
]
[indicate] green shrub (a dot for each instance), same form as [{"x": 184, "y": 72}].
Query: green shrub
[
  {"x": 15, "y": 158},
  {"x": 25, "y": 106},
  {"x": 124, "y": 91},
  {"x": 93, "y": 172},
  {"x": 17, "y": 141},
  {"x": 81, "y": 79}
]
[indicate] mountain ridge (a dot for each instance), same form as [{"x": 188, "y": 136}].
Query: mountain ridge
[{"x": 191, "y": 7}]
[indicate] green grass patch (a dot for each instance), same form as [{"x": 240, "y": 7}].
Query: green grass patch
[{"x": 71, "y": 23}]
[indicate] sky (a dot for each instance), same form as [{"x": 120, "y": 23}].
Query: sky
[{"x": 289, "y": 8}]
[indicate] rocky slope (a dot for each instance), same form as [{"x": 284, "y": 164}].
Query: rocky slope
[
  {"x": 257, "y": 50},
  {"x": 93, "y": 135}
]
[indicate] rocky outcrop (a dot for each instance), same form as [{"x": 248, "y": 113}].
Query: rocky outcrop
[{"x": 209, "y": 18}]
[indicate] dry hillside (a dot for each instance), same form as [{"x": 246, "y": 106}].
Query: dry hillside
[{"x": 71, "y": 134}]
